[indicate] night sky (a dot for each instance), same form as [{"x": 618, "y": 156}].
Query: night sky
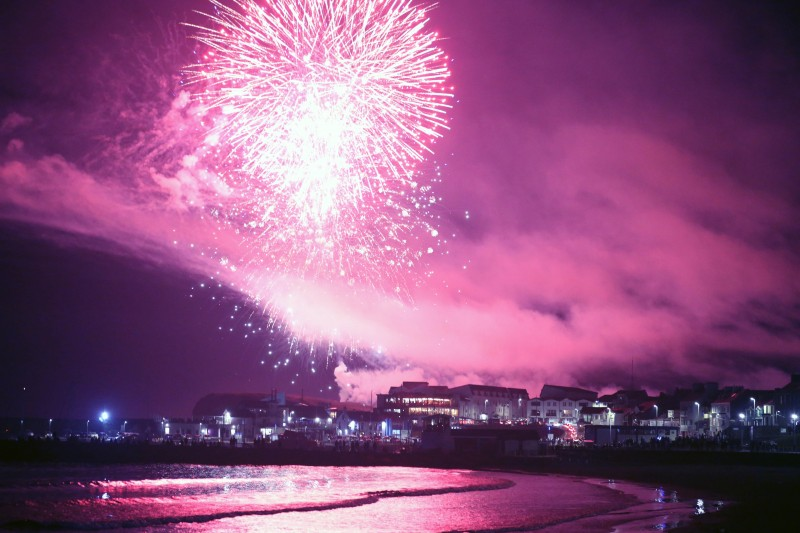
[{"x": 619, "y": 190}]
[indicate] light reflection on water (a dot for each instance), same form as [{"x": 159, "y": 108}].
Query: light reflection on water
[{"x": 294, "y": 498}]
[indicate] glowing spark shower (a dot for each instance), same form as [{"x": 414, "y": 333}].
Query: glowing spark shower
[{"x": 318, "y": 114}]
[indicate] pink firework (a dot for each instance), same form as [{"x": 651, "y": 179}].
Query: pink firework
[{"x": 319, "y": 112}]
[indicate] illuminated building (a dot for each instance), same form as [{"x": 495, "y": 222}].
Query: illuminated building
[
  {"x": 467, "y": 404},
  {"x": 560, "y": 405},
  {"x": 404, "y": 407},
  {"x": 486, "y": 403},
  {"x": 416, "y": 399}
]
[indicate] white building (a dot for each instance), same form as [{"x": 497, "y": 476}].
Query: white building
[
  {"x": 483, "y": 403},
  {"x": 560, "y": 405}
]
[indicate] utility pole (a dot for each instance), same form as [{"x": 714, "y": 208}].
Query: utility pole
[{"x": 631, "y": 373}]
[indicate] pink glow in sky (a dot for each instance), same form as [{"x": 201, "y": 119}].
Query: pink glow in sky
[{"x": 618, "y": 185}]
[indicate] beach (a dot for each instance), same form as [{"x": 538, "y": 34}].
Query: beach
[{"x": 739, "y": 491}]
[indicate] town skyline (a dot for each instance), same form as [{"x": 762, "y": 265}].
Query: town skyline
[
  {"x": 614, "y": 193},
  {"x": 704, "y": 390}
]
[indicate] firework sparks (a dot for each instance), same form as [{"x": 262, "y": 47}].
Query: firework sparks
[{"x": 318, "y": 114}]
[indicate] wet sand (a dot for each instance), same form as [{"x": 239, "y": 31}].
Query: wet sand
[
  {"x": 657, "y": 509},
  {"x": 762, "y": 488},
  {"x": 759, "y": 491}
]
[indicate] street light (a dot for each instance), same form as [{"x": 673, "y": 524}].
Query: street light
[
  {"x": 741, "y": 429},
  {"x": 87, "y": 428},
  {"x": 103, "y": 418},
  {"x": 697, "y": 417},
  {"x": 50, "y": 426},
  {"x": 124, "y": 423},
  {"x": 794, "y": 430}
]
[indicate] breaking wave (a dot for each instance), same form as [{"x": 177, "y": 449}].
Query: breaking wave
[{"x": 101, "y": 498}]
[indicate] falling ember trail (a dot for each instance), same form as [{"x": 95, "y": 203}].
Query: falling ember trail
[{"x": 318, "y": 114}]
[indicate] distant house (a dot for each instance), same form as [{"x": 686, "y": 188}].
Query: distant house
[
  {"x": 596, "y": 415},
  {"x": 560, "y": 405},
  {"x": 239, "y": 416},
  {"x": 624, "y": 398},
  {"x": 246, "y": 417},
  {"x": 787, "y": 401},
  {"x": 558, "y": 391},
  {"x": 725, "y": 410},
  {"x": 486, "y": 403}
]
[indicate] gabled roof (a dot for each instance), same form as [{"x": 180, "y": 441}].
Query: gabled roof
[
  {"x": 473, "y": 389},
  {"x": 726, "y": 397},
  {"x": 418, "y": 387},
  {"x": 558, "y": 392},
  {"x": 626, "y": 397},
  {"x": 242, "y": 403},
  {"x": 216, "y": 404},
  {"x": 793, "y": 385}
]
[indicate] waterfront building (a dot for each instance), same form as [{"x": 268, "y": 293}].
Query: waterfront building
[
  {"x": 416, "y": 399},
  {"x": 403, "y": 408},
  {"x": 487, "y": 403},
  {"x": 596, "y": 415},
  {"x": 725, "y": 410},
  {"x": 760, "y": 409},
  {"x": 690, "y": 408},
  {"x": 624, "y": 398},
  {"x": 485, "y": 439},
  {"x": 787, "y": 402},
  {"x": 557, "y": 405},
  {"x": 246, "y": 417},
  {"x": 626, "y": 435},
  {"x": 657, "y": 413}
]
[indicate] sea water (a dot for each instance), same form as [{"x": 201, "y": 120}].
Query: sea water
[{"x": 306, "y": 498}]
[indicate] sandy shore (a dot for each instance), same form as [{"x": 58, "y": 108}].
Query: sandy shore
[
  {"x": 762, "y": 487},
  {"x": 759, "y": 490},
  {"x": 658, "y": 509}
]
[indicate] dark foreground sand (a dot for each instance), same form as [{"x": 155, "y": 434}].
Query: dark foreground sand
[{"x": 765, "y": 487}]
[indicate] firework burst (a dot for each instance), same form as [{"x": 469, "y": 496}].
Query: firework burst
[{"x": 319, "y": 113}]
